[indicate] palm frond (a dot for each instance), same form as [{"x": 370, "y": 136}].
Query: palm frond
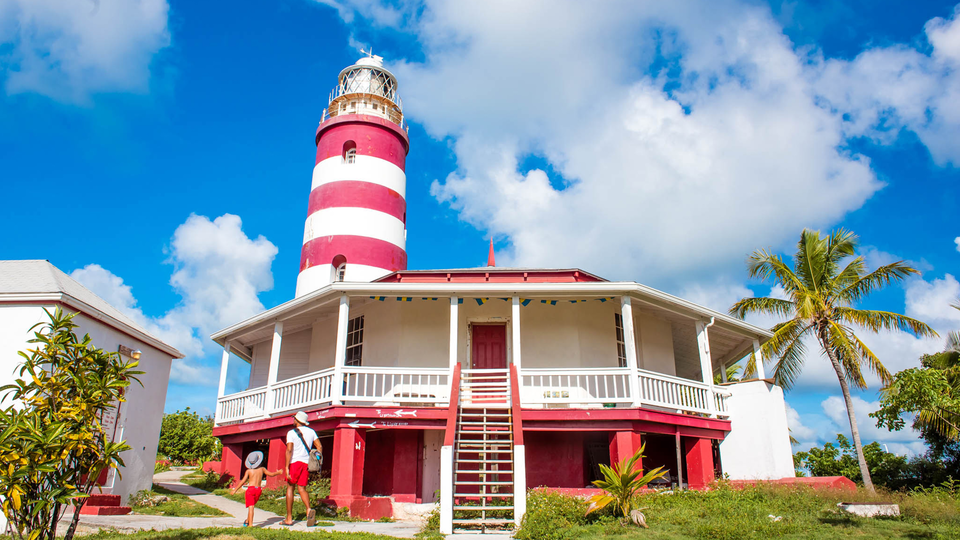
[
  {"x": 787, "y": 347},
  {"x": 875, "y": 321},
  {"x": 770, "y": 306},
  {"x": 876, "y": 280},
  {"x": 809, "y": 259},
  {"x": 845, "y": 349},
  {"x": 851, "y": 273},
  {"x": 873, "y": 363},
  {"x": 953, "y": 341},
  {"x": 763, "y": 264}
]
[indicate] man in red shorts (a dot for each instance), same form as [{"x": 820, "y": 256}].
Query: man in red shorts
[
  {"x": 300, "y": 440},
  {"x": 253, "y": 478}
]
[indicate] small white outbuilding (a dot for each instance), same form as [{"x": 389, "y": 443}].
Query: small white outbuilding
[{"x": 26, "y": 288}]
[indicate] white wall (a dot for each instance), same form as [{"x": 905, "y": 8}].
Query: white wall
[
  {"x": 140, "y": 417},
  {"x": 323, "y": 343},
  {"x": 569, "y": 335},
  {"x": 655, "y": 344},
  {"x": 260, "y": 367},
  {"x": 432, "y": 441},
  {"x": 15, "y": 323},
  {"x": 758, "y": 445}
]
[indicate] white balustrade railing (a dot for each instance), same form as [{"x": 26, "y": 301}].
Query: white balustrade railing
[
  {"x": 242, "y": 406},
  {"x": 396, "y": 385},
  {"x": 575, "y": 387},
  {"x": 721, "y": 401},
  {"x": 303, "y": 391},
  {"x": 674, "y": 393}
]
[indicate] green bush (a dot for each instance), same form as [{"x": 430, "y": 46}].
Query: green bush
[
  {"x": 552, "y": 516},
  {"x": 187, "y": 438}
]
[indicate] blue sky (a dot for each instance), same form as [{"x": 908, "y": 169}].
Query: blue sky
[{"x": 163, "y": 151}]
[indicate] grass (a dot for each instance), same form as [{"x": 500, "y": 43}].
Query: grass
[
  {"x": 178, "y": 505},
  {"x": 236, "y": 534},
  {"x": 804, "y": 513}
]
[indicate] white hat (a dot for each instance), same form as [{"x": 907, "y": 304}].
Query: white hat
[
  {"x": 254, "y": 459},
  {"x": 301, "y": 417}
]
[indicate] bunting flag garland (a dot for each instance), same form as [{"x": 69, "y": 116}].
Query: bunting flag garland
[{"x": 481, "y": 301}]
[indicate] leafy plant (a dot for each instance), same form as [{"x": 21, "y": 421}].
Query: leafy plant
[
  {"x": 186, "y": 437},
  {"x": 621, "y": 483},
  {"x": 52, "y": 441},
  {"x": 820, "y": 299},
  {"x": 551, "y": 516},
  {"x": 930, "y": 392}
]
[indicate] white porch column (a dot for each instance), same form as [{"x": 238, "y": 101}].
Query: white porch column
[
  {"x": 274, "y": 367},
  {"x": 446, "y": 490},
  {"x": 630, "y": 344},
  {"x": 224, "y": 361},
  {"x": 515, "y": 322},
  {"x": 454, "y": 331},
  {"x": 759, "y": 359},
  {"x": 706, "y": 364},
  {"x": 340, "y": 356}
]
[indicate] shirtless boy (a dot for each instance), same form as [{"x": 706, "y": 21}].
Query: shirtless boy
[{"x": 253, "y": 479}]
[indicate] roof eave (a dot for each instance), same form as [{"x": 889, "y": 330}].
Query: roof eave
[
  {"x": 91, "y": 311},
  {"x": 459, "y": 289}
]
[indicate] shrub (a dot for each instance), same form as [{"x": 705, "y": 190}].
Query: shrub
[
  {"x": 552, "y": 516},
  {"x": 186, "y": 438},
  {"x": 160, "y": 466}
]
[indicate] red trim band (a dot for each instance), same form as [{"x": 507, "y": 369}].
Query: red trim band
[
  {"x": 357, "y": 194},
  {"x": 371, "y": 139},
  {"x": 357, "y": 250}
]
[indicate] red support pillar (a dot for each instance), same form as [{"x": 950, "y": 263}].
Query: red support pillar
[
  {"x": 623, "y": 445},
  {"x": 277, "y": 460},
  {"x": 346, "y": 475},
  {"x": 699, "y": 452},
  {"x": 232, "y": 460}
]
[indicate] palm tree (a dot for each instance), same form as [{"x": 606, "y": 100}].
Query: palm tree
[{"x": 820, "y": 302}]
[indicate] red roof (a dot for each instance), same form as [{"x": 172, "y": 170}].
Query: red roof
[{"x": 491, "y": 275}]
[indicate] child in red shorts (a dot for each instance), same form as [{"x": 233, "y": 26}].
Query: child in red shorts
[{"x": 253, "y": 477}]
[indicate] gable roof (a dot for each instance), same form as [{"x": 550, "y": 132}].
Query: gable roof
[{"x": 40, "y": 281}]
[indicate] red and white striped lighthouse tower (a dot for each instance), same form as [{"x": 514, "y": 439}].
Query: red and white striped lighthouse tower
[{"x": 356, "y": 223}]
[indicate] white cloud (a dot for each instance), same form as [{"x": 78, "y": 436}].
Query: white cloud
[
  {"x": 671, "y": 181},
  {"x": 885, "y": 89},
  {"x": 218, "y": 272},
  {"x": 835, "y": 410},
  {"x": 957, "y": 241},
  {"x": 797, "y": 429},
  {"x": 70, "y": 49}
]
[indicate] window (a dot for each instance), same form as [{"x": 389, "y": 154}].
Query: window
[
  {"x": 621, "y": 347},
  {"x": 349, "y": 152},
  {"x": 354, "y": 341},
  {"x": 341, "y": 272}
]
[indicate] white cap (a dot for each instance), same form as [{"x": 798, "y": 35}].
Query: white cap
[{"x": 301, "y": 417}]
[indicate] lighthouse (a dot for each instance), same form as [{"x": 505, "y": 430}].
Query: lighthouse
[{"x": 356, "y": 219}]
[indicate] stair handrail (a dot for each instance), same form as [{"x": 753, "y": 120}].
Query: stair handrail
[
  {"x": 450, "y": 434},
  {"x": 515, "y": 405}
]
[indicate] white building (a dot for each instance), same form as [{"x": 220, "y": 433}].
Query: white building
[{"x": 26, "y": 288}]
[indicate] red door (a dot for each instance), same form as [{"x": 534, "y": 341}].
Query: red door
[{"x": 489, "y": 346}]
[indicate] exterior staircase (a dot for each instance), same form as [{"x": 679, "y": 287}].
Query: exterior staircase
[{"x": 483, "y": 475}]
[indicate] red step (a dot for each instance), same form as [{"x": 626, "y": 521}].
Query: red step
[
  {"x": 104, "y": 510},
  {"x": 103, "y": 499}
]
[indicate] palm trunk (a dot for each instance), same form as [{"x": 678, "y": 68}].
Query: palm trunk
[{"x": 851, "y": 416}]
